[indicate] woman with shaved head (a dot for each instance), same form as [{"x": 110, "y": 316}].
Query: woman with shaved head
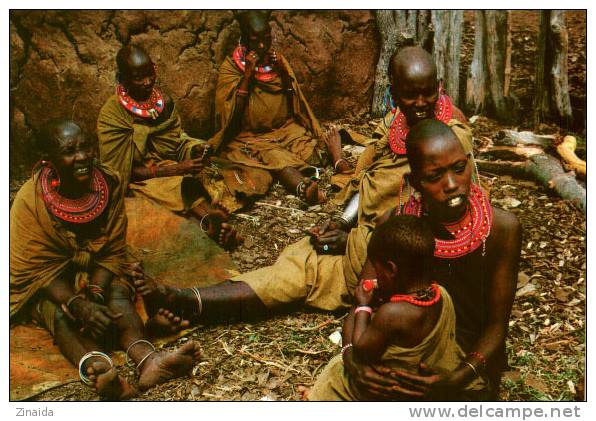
[
  {"x": 140, "y": 136},
  {"x": 266, "y": 128}
]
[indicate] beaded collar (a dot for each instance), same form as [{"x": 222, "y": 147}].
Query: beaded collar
[
  {"x": 469, "y": 233},
  {"x": 399, "y": 129},
  {"x": 423, "y": 298},
  {"x": 77, "y": 211},
  {"x": 264, "y": 73},
  {"x": 150, "y": 108}
]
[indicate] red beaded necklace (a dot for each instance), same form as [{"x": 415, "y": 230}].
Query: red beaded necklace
[
  {"x": 399, "y": 129},
  {"x": 421, "y": 298},
  {"x": 150, "y": 108},
  {"x": 469, "y": 233},
  {"x": 77, "y": 211},
  {"x": 263, "y": 73}
]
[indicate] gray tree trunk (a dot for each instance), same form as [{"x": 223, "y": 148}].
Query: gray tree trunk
[
  {"x": 487, "y": 82},
  {"x": 448, "y": 30},
  {"x": 551, "y": 100}
]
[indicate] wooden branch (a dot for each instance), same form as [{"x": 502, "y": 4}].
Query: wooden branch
[
  {"x": 515, "y": 153},
  {"x": 571, "y": 161},
  {"x": 513, "y": 169},
  {"x": 514, "y": 138}
]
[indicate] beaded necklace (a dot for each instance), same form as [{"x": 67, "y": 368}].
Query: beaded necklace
[
  {"x": 150, "y": 108},
  {"x": 469, "y": 233},
  {"x": 77, "y": 211},
  {"x": 263, "y": 73},
  {"x": 399, "y": 129},
  {"x": 422, "y": 298}
]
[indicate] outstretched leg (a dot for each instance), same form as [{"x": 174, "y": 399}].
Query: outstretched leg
[
  {"x": 333, "y": 141},
  {"x": 291, "y": 178},
  {"x": 225, "y": 301}
]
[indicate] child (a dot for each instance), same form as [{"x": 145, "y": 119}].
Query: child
[{"x": 413, "y": 320}]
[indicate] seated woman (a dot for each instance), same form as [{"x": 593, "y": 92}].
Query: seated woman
[
  {"x": 403, "y": 318},
  {"x": 67, "y": 255},
  {"x": 141, "y": 137},
  {"x": 266, "y": 126}
]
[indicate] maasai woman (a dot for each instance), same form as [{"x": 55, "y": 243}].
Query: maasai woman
[
  {"x": 266, "y": 127},
  {"x": 141, "y": 137},
  {"x": 67, "y": 252}
]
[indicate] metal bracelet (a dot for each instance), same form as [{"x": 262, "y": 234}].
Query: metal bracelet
[{"x": 350, "y": 213}]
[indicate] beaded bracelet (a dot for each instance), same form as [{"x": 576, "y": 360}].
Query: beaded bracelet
[
  {"x": 241, "y": 92},
  {"x": 368, "y": 309},
  {"x": 344, "y": 349}
]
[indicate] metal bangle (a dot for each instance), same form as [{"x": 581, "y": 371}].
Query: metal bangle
[
  {"x": 472, "y": 366},
  {"x": 71, "y": 299},
  {"x": 345, "y": 348},
  {"x": 138, "y": 341},
  {"x": 350, "y": 213},
  {"x": 85, "y": 357},
  {"x": 199, "y": 300}
]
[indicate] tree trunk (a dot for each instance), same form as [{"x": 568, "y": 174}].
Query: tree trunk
[
  {"x": 397, "y": 29},
  {"x": 551, "y": 100},
  {"x": 448, "y": 30},
  {"x": 487, "y": 81}
]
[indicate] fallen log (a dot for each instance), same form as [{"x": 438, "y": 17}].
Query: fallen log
[
  {"x": 545, "y": 169},
  {"x": 566, "y": 149}
]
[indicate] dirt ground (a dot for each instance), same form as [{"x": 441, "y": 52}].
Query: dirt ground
[{"x": 278, "y": 358}]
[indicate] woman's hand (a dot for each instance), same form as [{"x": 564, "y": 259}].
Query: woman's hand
[
  {"x": 329, "y": 238},
  {"x": 429, "y": 383},
  {"x": 190, "y": 166},
  {"x": 251, "y": 60},
  {"x": 96, "y": 318}
]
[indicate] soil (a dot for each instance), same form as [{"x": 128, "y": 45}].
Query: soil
[{"x": 279, "y": 358}]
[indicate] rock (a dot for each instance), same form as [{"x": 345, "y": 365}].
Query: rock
[{"x": 62, "y": 63}]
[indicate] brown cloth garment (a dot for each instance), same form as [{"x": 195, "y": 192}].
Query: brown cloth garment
[
  {"x": 439, "y": 350},
  {"x": 124, "y": 143},
  {"x": 379, "y": 173},
  {"x": 271, "y": 138},
  {"x": 42, "y": 248}
]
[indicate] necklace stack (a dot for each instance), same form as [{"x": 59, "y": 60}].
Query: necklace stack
[
  {"x": 398, "y": 130},
  {"x": 263, "y": 73},
  {"x": 147, "y": 109},
  {"x": 423, "y": 298},
  {"x": 469, "y": 233},
  {"x": 77, "y": 211}
]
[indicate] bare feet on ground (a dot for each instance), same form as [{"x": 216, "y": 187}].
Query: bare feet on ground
[
  {"x": 312, "y": 195},
  {"x": 219, "y": 230},
  {"x": 333, "y": 141},
  {"x": 163, "y": 366},
  {"x": 108, "y": 383},
  {"x": 164, "y": 323}
]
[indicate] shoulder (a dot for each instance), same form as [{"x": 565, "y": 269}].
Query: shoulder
[
  {"x": 398, "y": 316},
  {"x": 506, "y": 229},
  {"x": 458, "y": 114},
  {"x": 25, "y": 193}
]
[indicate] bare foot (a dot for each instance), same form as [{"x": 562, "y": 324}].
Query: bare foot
[
  {"x": 108, "y": 383},
  {"x": 219, "y": 230},
  {"x": 163, "y": 366},
  {"x": 312, "y": 195},
  {"x": 333, "y": 141},
  {"x": 164, "y": 323}
]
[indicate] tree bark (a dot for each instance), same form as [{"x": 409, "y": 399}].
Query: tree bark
[
  {"x": 448, "y": 30},
  {"x": 487, "y": 81},
  {"x": 551, "y": 79}
]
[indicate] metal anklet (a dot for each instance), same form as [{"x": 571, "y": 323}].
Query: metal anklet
[
  {"x": 199, "y": 301},
  {"x": 85, "y": 357},
  {"x": 138, "y": 341}
]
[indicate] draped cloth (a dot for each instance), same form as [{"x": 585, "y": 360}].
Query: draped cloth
[
  {"x": 300, "y": 274},
  {"x": 379, "y": 173},
  {"x": 125, "y": 143},
  {"x": 271, "y": 138},
  {"x": 42, "y": 248},
  {"x": 439, "y": 350}
]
